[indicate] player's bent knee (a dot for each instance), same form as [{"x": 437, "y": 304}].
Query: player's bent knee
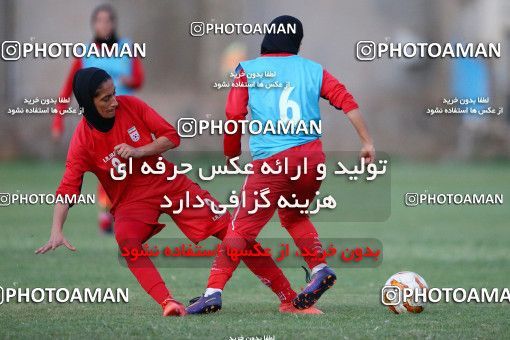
[
  {"x": 126, "y": 239},
  {"x": 291, "y": 220}
]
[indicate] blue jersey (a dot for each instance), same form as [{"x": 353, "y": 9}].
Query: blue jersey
[
  {"x": 116, "y": 67},
  {"x": 285, "y": 91},
  {"x": 471, "y": 79}
]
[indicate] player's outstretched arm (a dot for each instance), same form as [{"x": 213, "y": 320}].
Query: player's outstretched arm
[
  {"x": 367, "y": 149},
  {"x": 57, "y": 236}
]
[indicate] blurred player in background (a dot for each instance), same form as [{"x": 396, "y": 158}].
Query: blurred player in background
[
  {"x": 127, "y": 75},
  {"x": 470, "y": 79},
  {"x": 308, "y": 82},
  {"x": 233, "y": 54},
  {"x": 115, "y": 128}
]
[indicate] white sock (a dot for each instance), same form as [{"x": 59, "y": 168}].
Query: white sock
[
  {"x": 316, "y": 268},
  {"x": 210, "y": 291}
]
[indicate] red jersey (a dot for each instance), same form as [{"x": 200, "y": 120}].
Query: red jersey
[{"x": 93, "y": 150}]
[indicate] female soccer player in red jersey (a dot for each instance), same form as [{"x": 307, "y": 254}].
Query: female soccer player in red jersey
[
  {"x": 121, "y": 127},
  {"x": 127, "y": 75}
]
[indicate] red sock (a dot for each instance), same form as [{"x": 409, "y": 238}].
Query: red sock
[
  {"x": 305, "y": 237},
  {"x": 131, "y": 234},
  {"x": 272, "y": 276},
  {"x": 224, "y": 266},
  {"x": 149, "y": 278},
  {"x": 263, "y": 267}
]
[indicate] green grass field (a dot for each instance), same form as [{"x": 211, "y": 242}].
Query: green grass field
[{"x": 450, "y": 246}]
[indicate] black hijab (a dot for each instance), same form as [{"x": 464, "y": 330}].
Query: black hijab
[
  {"x": 282, "y": 42},
  {"x": 85, "y": 84}
]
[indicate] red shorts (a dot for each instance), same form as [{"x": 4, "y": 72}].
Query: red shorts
[
  {"x": 305, "y": 187},
  {"x": 196, "y": 223}
]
